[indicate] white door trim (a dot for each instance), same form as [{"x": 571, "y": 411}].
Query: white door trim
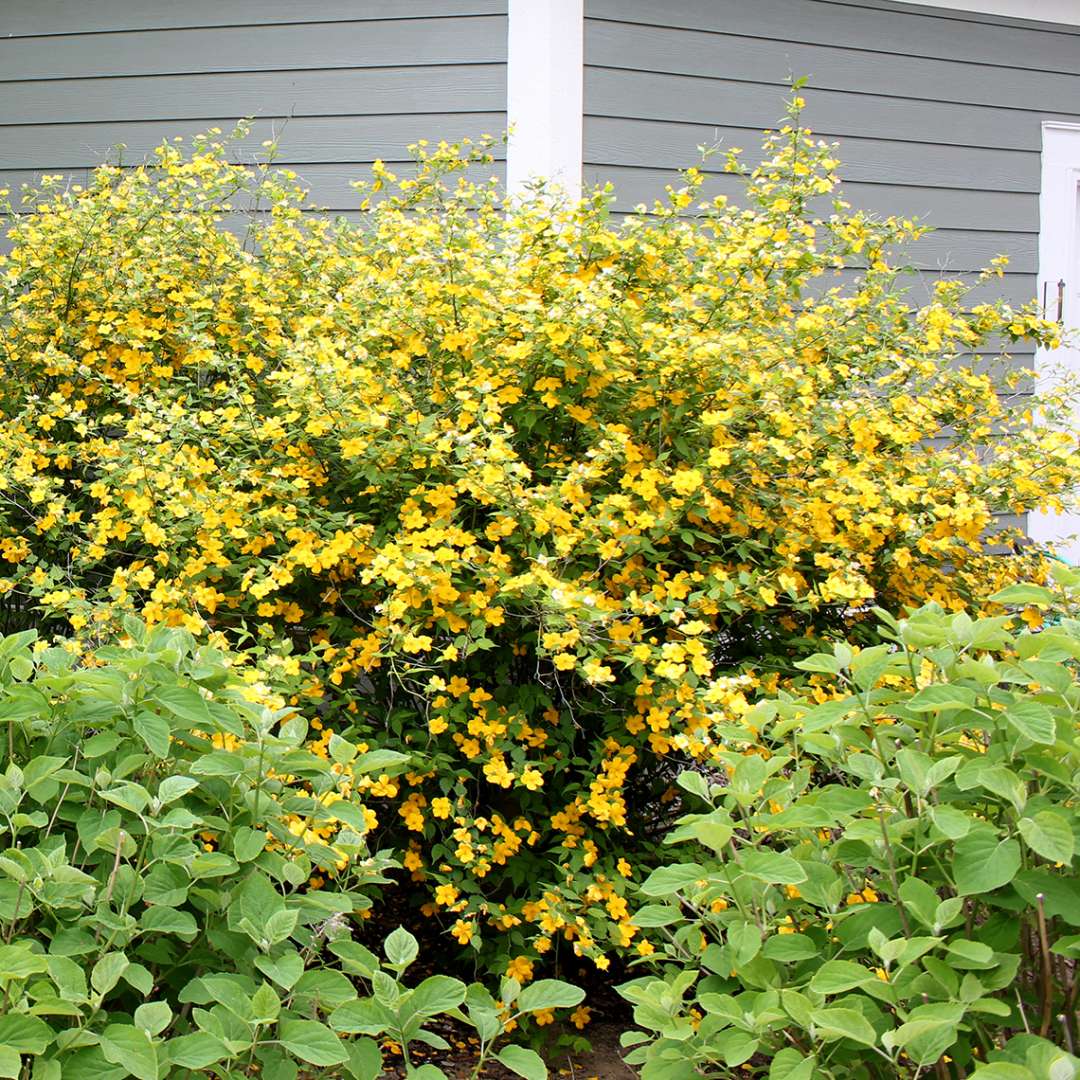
[
  {"x": 1059, "y": 260},
  {"x": 545, "y": 93},
  {"x": 1065, "y": 12}
]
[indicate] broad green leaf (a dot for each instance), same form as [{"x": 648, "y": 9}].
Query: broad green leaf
[
  {"x": 124, "y": 1044},
  {"x": 836, "y": 976},
  {"x": 312, "y": 1042},
  {"x": 166, "y": 920},
  {"x": 1023, "y": 594},
  {"x": 788, "y": 948},
  {"x": 248, "y": 843},
  {"x": 284, "y": 970},
  {"x": 155, "y": 731},
  {"x": 940, "y": 696},
  {"x": 549, "y": 994},
  {"x": 1049, "y": 834},
  {"x": 929, "y": 1031},
  {"x": 771, "y": 867},
  {"x": 172, "y": 787},
  {"x": 380, "y": 761},
  {"x": 197, "y": 1051},
  {"x": 365, "y": 1059},
  {"x": 153, "y": 1017},
  {"x": 107, "y": 971},
  {"x": 843, "y": 1024},
  {"x": 1002, "y": 1070},
  {"x": 436, "y": 994},
  {"x": 1032, "y": 720},
  {"x": 653, "y": 915},
  {"x": 187, "y": 704},
  {"x": 10, "y": 1063},
  {"x": 667, "y": 880},
  {"x": 983, "y": 863},
  {"x": 24, "y": 1034},
  {"x": 524, "y": 1062},
  {"x": 789, "y": 1064},
  {"x": 401, "y": 947},
  {"x": 693, "y": 782},
  {"x": 19, "y": 962}
]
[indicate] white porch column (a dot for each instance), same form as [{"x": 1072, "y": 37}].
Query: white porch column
[{"x": 544, "y": 93}]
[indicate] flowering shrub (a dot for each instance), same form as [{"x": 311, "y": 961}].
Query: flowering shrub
[
  {"x": 883, "y": 883},
  {"x": 533, "y": 497}
]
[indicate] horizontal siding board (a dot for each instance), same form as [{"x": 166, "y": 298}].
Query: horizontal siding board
[
  {"x": 691, "y": 52},
  {"x": 385, "y": 43},
  {"x": 653, "y": 96},
  {"x": 914, "y": 32},
  {"x": 947, "y": 208},
  {"x": 25, "y": 17},
  {"x": 1014, "y": 289},
  {"x": 61, "y": 147},
  {"x": 962, "y": 253},
  {"x": 658, "y": 144},
  {"x": 342, "y": 91}
]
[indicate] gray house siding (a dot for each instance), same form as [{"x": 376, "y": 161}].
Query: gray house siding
[
  {"x": 337, "y": 82},
  {"x": 938, "y": 113}
]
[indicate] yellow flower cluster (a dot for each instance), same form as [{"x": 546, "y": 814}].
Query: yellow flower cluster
[{"x": 535, "y": 497}]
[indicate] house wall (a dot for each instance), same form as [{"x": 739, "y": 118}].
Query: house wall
[
  {"x": 339, "y": 82},
  {"x": 938, "y": 113}
]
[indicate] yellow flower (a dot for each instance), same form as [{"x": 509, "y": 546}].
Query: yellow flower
[
  {"x": 520, "y": 968},
  {"x": 446, "y": 895}
]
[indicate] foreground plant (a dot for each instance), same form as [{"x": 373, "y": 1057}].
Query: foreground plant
[
  {"x": 530, "y": 495},
  {"x": 885, "y": 881},
  {"x": 174, "y": 863}
]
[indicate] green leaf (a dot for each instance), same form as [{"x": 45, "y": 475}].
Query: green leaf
[
  {"x": 380, "y": 761},
  {"x": 436, "y": 994},
  {"x": 166, "y": 920},
  {"x": 284, "y": 970},
  {"x": 836, "y": 976},
  {"x": 107, "y": 971},
  {"x": 1049, "y": 834},
  {"x": 929, "y": 1031},
  {"x": 1023, "y": 594},
  {"x": 155, "y": 731},
  {"x": 1002, "y": 1070},
  {"x": 549, "y": 994},
  {"x": 248, "y": 843},
  {"x": 772, "y": 867},
  {"x": 667, "y": 880},
  {"x": 10, "y": 1063},
  {"x": 365, "y": 1059},
  {"x": 1033, "y": 720},
  {"x": 822, "y": 663},
  {"x": 789, "y": 1064},
  {"x": 983, "y": 864},
  {"x": 212, "y": 864},
  {"x": 694, "y": 783},
  {"x": 312, "y": 1042},
  {"x": 401, "y": 947},
  {"x": 172, "y": 787},
  {"x": 25, "y": 1034},
  {"x": 788, "y": 948},
  {"x": 153, "y": 1017},
  {"x": 19, "y": 962},
  {"x": 198, "y": 1051},
  {"x": 524, "y": 1062},
  {"x": 185, "y": 703},
  {"x": 939, "y": 696},
  {"x": 124, "y": 1044},
  {"x": 843, "y": 1024}
]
